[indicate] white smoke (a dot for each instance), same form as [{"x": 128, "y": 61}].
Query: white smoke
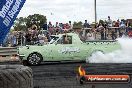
[{"x": 120, "y": 56}]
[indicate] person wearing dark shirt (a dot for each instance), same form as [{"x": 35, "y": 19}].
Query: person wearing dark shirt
[
  {"x": 45, "y": 26},
  {"x": 28, "y": 38},
  {"x": 86, "y": 24}
]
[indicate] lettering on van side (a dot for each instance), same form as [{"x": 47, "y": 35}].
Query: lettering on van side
[{"x": 69, "y": 50}]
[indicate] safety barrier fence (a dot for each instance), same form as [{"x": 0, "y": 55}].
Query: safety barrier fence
[{"x": 8, "y": 54}]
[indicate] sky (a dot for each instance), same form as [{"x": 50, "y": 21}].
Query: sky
[{"x": 77, "y": 10}]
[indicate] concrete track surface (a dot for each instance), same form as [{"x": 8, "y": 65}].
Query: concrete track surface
[{"x": 63, "y": 75}]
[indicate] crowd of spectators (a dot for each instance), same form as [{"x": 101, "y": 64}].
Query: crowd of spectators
[
  {"x": 59, "y": 28},
  {"x": 108, "y": 30},
  {"x": 103, "y": 31},
  {"x": 33, "y": 35}
]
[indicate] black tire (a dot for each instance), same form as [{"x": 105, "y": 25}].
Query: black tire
[
  {"x": 34, "y": 59},
  {"x": 15, "y": 76}
]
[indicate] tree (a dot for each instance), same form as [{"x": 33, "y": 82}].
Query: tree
[
  {"x": 20, "y": 24},
  {"x": 101, "y": 21},
  {"x": 77, "y": 24},
  {"x": 37, "y": 19}
]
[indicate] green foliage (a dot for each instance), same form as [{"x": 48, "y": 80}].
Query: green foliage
[
  {"x": 22, "y": 23},
  {"x": 101, "y": 21},
  {"x": 36, "y": 19},
  {"x": 77, "y": 24}
]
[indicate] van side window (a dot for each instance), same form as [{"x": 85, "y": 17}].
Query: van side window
[
  {"x": 60, "y": 41},
  {"x": 67, "y": 39}
]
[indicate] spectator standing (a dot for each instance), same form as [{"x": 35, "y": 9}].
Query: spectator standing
[
  {"x": 6, "y": 40},
  {"x": 57, "y": 28},
  {"x": 28, "y": 38},
  {"x": 13, "y": 39},
  {"x": 41, "y": 38},
  {"x": 23, "y": 39},
  {"x": 50, "y": 27},
  {"x": 67, "y": 26},
  {"x": 122, "y": 27},
  {"x": 117, "y": 30},
  {"x": 86, "y": 24},
  {"x": 128, "y": 26},
  {"x": 70, "y": 26},
  {"x": 48, "y": 36},
  {"x": 45, "y": 26},
  {"x": 130, "y": 33},
  {"x": 19, "y": 37},
  {"x": 34, "y": 35},
  {"x": 128, "y": 23},
  {"x": 60, "y": 27},
  {"x": 109, "y": 22},
  {"x": 90, "y": 35},
  {"x": 102, "y": 31},
  {"x": 35, "y": 38},
  {"x": 64, "y": 26}
]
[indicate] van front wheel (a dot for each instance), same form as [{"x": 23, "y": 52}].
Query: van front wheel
[{"x": 34, "y": 59}]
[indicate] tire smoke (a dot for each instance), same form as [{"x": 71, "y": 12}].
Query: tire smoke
[{"x": 124, "y": 55}]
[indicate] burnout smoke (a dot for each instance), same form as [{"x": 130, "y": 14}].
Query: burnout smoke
[{"x": 124, "y": 55}]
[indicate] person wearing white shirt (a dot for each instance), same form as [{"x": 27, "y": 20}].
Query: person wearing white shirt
[
  {"x": 90, "y": 35},
  {"x": 109, "y": 22},
  {"x": 41, "y": 38}
]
